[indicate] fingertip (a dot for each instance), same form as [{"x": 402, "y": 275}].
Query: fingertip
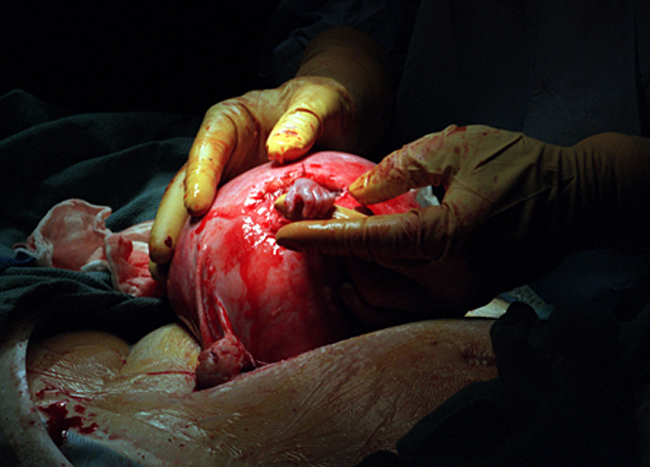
[
  {"x": 160, "y": 256},
  {"x": 331, "y": 237},
  {"x": 286, "y": 237},
  {"x": 158, "y": 272},
  {"x": 293, "y": 136},
  {"x": 374, "y": 187},
  {"x": 392, "y": 177},
  {"x": 161, "y": 249},
  {"x": 198, "y": 196},
  {"x": 311, "y": 234},
  {"x": 196, "y": 207},
  {"x": 169, "y": 221},
  {"x": 207, "y": 159},
  {"x": 358, "y": 188},
  {"x": 285, "y": 147}
]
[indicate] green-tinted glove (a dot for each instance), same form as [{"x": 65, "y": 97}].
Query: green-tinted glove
[{"x": 513, "y": 208}]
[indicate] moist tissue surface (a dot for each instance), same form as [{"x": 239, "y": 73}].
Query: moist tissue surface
[{"x": 249, "y": 300}]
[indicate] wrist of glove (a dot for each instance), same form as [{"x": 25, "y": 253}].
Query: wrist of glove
[{"x": 513, "y": 208}]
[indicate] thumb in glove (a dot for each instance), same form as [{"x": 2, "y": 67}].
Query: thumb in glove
[{"x": 513, "y": 208}]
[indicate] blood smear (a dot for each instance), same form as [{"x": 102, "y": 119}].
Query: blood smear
[{"x": 59, "y": 423}]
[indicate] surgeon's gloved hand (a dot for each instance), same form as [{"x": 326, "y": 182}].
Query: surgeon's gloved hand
[
  {"x": 513, "y": 208},
  {"x": 279, "y": 124},
  {"x": 339, "y": 100}
]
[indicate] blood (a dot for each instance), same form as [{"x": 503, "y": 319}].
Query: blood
[
  {"x": 169, "y": 242},
  {"x": 59, "y": 423},
  {"x": 236, "y": 288},
  {"x": 288, "y": 132},
  {"x": 86, "y": 430}
]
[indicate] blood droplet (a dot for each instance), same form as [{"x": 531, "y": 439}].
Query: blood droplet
[{"x": 59, "y": 423}]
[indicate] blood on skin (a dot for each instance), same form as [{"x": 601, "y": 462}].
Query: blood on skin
[{"x": 59, "y": 423}]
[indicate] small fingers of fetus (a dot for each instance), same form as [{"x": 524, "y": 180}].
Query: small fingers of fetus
[{"x": 307, "y": 199}]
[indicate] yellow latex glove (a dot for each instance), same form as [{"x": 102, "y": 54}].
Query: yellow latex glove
[
  {"x": 513, "y": 208},
  {"x": 340, "y": 100}
]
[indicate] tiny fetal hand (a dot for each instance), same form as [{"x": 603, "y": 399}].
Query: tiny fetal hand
[
  {"x": 280, "y": 124},
  {"x": 306, "y": 199},
  {"x": 483, "y": 239}
]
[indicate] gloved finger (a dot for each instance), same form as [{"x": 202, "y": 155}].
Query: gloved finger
[
  {"x": 294, "y": 135},
  {"x": 169, "y": 221},
  {"x": 396, "y": 174},
  {"x": 159, "y": 272},
  {"x": 313, "y": 109},
  {"x": 212, "y": 147},
  {"x": 416, "y": 235},
  {"x": 228, "y": 136},
  {"x": 434, "y": 160}
]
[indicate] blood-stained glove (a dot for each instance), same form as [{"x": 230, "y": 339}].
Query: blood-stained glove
[
  {"x": 339, "y": 100},
  {"x": 513, "y": 208}
]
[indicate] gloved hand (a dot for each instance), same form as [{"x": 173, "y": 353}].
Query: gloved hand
[
  {"x": 513, "y": 208},
  {"x": 340, "y": 100}
]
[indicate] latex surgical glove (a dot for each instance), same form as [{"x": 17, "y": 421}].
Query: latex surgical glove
[
  {"x": 513, "y": 208},
  {"x": 339, "y": 100}
]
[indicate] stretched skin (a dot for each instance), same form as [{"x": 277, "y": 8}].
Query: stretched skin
[
  {"x": 327, "y": 407},
  {"x": 247, "y": 299}
]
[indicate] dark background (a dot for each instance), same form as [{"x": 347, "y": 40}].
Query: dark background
[{"x": 98, "y": 56}]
